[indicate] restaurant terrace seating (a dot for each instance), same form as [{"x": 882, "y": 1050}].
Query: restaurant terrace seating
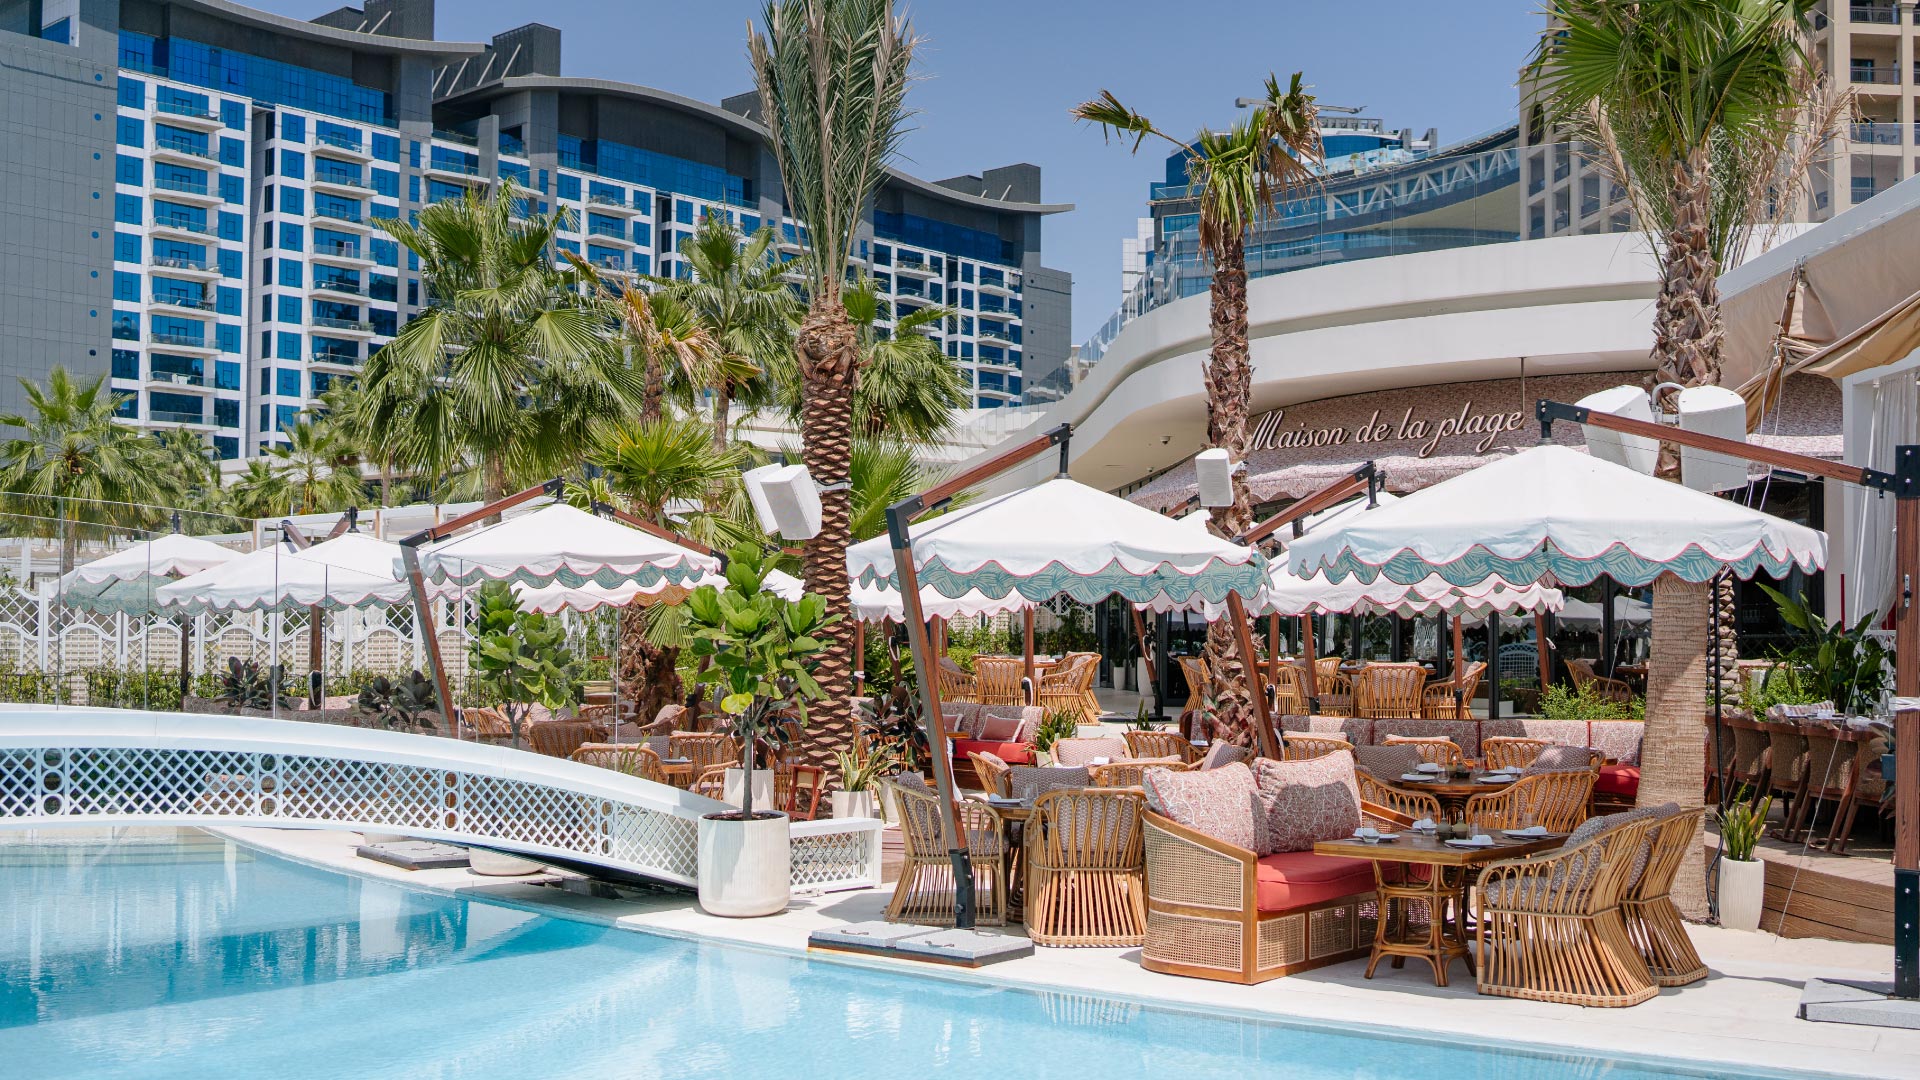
[
  {"x": 1446, "y": 701},
  {"x": 924, "y": 893},
  {"x": 1500, "y": 752},
  {"x": 1584, "y": 679},
  {"x": 991, "y": 772},
  {"x": 1198, "y": 678},
  {"x": 1160, "y": 744},
  {"x": 998, "y": 680},
  {"x": 560, "y": 738},
  {"x": 488, "y": 725},
  {"x": 1027, "y": 782},
  {"x": 1787, "y": 771},
  {"x": 704, "y": 749},
  {"x": 1128, "y": 773},
  {"x": 1556, "y": 801},
  {"x": 1434, "y": 750},
  {"x": 1289, "y": 691},
  {"x": 1085, "y": 869},
  {"x": 1083, "y": 751},
  {"x": 633, "y": 759},
  {"x": 1306, "y": 747},
  {"x": 956, "y": 685},
  {"x": 1653, "y": 923},
  {"x": 1390, "y": 691},
  {"x": 1410, "y": 804},
  {"x": 1222, "y": 753},
  {"x": 1069, "y": 685}
]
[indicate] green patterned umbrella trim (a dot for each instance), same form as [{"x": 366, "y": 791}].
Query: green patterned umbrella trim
[
  {"x": 1212, "y": 583},
  {"x": 1549, "y": 563}
]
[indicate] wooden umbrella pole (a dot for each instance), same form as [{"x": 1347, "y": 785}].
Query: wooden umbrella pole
[
  {"x": 1033, "y": 686},
  {"x": 859, "y": 659},
  {"x": 1146, "y": 653},
  {"x": 1308, "y": 672},
  {"x": 1540, "y": 646},
  {"x": 1459, "y": 654},
  {"x": 1273, "y": 648},
  {"x": 1250, "y": 667}
]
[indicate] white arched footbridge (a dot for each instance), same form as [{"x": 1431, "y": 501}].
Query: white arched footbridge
[{"x": 63, "y": 766}]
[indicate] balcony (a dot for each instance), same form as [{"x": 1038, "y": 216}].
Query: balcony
[
  {"x": 352, "y": 183},
  {"x": 183, "y": 266},
  {"x": 611, "y": 266},
  {"x": 351, "y": 326},
  {"x": 187, "y": 190},
  {"x": 181, "y": 341},
  {"x": 914, "y": 264},
  {"x": 458, "y": 137},
  {"x": 997, "y": 311},
  {"x": 352, "y": 254},
  {"x": 999, "y": 288},
  {"x": 1874, "y": 14},
  {"x": 459, "y": 170},
  {"x": 1874, "y": 75},
  {"x": 180, "y": 223},
  {"x": 1876, "y": 132},
  {"x": 615, "y": 204},
  {"x": 335, "y": 358},
  {"x": 179, "y": 416},
  {"x": 339, "y": 286},
  {"x": 190, "y": 115},
  {"x": 609, "y": 232},
  {"x": 196, "y": 304},
  {"x": 994, "y": 336},
  {"x": 350, "y": 216},
  {"x": 346, "y": 147},
  {"x": 178, "y": 380},
  {"x": 181, "y": 149}
]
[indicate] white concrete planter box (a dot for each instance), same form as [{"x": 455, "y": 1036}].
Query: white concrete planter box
[
  {"x": 494, "y": 864},
  {"x": 852, "y": 804},
  {"x": 1742, "y": 890},
  {"x": 746, "y": 867}
]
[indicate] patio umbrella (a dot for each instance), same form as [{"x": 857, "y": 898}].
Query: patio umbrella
[
  {"x": 1626, "y": 609},
  {"x": 872, "y": 603},
  {"x": 561, "y": 545},
  {"x": 551, "y": 599},
  {"x": 350, "y": 570},
  {"x": 126, "y": 579}
]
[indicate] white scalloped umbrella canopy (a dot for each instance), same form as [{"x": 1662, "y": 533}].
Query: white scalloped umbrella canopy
[
  {"x": 561, "y": 545},
  {"x": 872, "y": 603},
  {"x": 127, "y": 579},
  {"x": 350, "y": 570},
  {"x": 1064, "y": 538},
  {"x": 1555, "y": 515},
  {"x": 551, "y": 599}
]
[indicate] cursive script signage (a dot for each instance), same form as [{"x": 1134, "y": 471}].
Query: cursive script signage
[{"x": 1418, "y": 430}]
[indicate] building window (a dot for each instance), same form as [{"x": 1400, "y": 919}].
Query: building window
[
  {"x": 286, "y": 381},
  {"x": 126, "y": 364},
  {"x": 292, "y": 237},
  {"x": 126, "y": 209},
  {"x": 293, "y": 128},
  {"x": 131, "y": 131},
  {"x": 233, "y": 152},
  {"x": 226, "y": 375},
  {"x": 290, "y": 310},
  {"x": 293, "y": 164},
  {"x": 133, "y": 93}
]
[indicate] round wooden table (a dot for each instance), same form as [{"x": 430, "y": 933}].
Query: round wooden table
[{"x": 1453, "y": 794}]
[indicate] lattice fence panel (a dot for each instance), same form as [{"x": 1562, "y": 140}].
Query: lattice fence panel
[{"x": 839, "y": 859}]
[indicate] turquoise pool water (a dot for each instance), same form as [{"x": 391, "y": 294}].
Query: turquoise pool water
[{"x": 194, "y": 958}]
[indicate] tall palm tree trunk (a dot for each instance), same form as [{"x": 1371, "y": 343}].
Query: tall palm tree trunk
[
  {"x": 649, "y": 673},
  {"x": 1687, "y": 332},
  {"x": 1673, "y": 753},
  {"x": 1229, "y": 380},
  {"x": 827, "y": 348}
]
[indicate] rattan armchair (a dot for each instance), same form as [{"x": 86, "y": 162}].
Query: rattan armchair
[
  {"x": 955, "y": 684},
  {"x": 1606, "y": 689},
  {"x": 1453, "y": 700},
  {"x": 1160, "y": 744},
  {"x": 1069, "y": 686},
  {"x": 1289, "y": 689},
  {"x": 1336, "y": 692},
  {"x": 1086, "y": 869},
  {"x": 1752, "y": 756},
  {"x": 1413, "y": 805},
  {"x": 998, "y": 680},
  {"x": 1787, "y": 770},
  {"x": 992, "y": 771},
  {"x": 488, "y": 725},
  {"x": 1501, "y": 751},
  {"x": 560, "y": 738},
  {"x": 1550, "y": 928},
  {"x": 1434, "y": 750},
  {"x": 1555, "y": 801},
  {"x": 1127, "y": 774},
  {"x": 1298, "y": 747},
  {"x": 924, "y": 893},
  {"x": 704, "y": 749},
  {"x": 1390, "y": 691},
  {"x": 633, "y": 759},
  {"x": 1653, "y": 923},
  {"x": 1198, "y": 680}
]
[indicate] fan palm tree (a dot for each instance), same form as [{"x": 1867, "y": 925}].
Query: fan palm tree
[
  {"x": 185, "y": 456},
  {"x": 72, "y": 466},
  {"x": 508, "y": 369},
  {"x": 734, "y": 290},
  {"x": 884, "y": 472},
  {"x": 260, "y": 491},
  {"x": 1697, "y": 103},
  {"x": 654, "y": 330},
  {"x": 1239, "y": 174},
  {"x": 908, "y": 389},
  {"x": 832, "y": 79},
  {"x": 317, "y": 467}
]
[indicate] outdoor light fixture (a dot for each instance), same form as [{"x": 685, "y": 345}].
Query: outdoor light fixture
[
  {"x": 1214, "y": 471},
  {"x": 1721, "y": 413},
  {"x": 785, "y": 499},
  {"x": 1636, "y": 452}
]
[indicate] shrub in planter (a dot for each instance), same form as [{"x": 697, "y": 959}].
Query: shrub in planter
[
  {"x": 520, "y": 656},
  {"x": 245, "y": 685},
  {"x": 1741, "y": 883},
  {"x": 402, "y": 705}
]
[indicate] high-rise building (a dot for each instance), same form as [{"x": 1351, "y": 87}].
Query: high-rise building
[{"x": 199, "y": 183}]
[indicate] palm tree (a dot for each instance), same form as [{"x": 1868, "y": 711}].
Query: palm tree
[
  {"x": 508, "y": 368},
  {"x": 73, "y": 466},
  {"x": 908, "y": 389},
  {"x": 832, "y": 79},
  {"x": 671, "y": 345},
  {"x": 734, "y": 290},
  {"x": 651, "y": 467},
  {"x": 884, "y": 472},
  {"x": 1239, "y": 173},
  {"x": 317, "y": 467},
  {"x": 185, "y": 456},
  {"x": 1696, "y": 103},
  {"x": 260, "y": 491}
]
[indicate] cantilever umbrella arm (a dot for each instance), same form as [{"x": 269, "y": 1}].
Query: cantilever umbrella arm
[
  {"x": 1904, "y": 485},
  {"x": 900, "y": 517}
]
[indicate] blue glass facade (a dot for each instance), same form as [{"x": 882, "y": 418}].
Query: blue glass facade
[{"x": 256, "y": 77}]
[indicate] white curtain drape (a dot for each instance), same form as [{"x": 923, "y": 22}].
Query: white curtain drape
[{"x": 1895, "y": 420}]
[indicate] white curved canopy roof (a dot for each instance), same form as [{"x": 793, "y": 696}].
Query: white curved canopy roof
[
  {"x": 351, "y": 570},
  {"x": 127, "y": 579},
  {"x": 550, "y": 599},
  {"x": 558, "y": 544}
]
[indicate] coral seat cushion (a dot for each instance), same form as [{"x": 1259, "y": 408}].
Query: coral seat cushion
[
  {"x": 1297, "y": 879},
  {"x": 1618, "y": 780},
  {"x": 1013, "y": 753}
]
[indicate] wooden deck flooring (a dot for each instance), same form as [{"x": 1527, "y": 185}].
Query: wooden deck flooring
[{"x": 1812, "y": 894}]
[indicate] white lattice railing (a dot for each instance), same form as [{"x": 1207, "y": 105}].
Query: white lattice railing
[{"x": 83, "y": 766}]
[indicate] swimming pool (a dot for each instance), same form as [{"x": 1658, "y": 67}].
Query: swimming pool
[{"x": 191, "y": 957}]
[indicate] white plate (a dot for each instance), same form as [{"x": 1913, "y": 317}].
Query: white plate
[
  {"x": 1468, "y": 844},
  {"x": 1417, "y": 777},
  {"x": 1492, "y": 779},
  {"x": 1429, "y": 767},
  {"x": 1526, "y": 834}
]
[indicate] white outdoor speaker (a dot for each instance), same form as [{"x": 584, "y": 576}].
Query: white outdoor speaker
[
  {"x": 793, "y": 501},
  {"x": 1636, "y": 452},
  {"x": 1214, "y": 472},
  {"x": 1717, "y": 411},
  {"x": 757, "y": 495}
]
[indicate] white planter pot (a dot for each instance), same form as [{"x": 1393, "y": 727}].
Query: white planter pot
[
  {"x": 1742, "y": 891},
  {"x": 731, "y": 790},
  {"x": 852, "y": 804},
  {"x": 1143, "y": 676},
  {"x": 494, "y": 864},
  {"x": 745, "y": 866}
]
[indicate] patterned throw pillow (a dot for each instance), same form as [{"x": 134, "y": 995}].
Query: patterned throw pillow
[
  {"x": 1560, "y": 759},
  {"x": 1217, "y": 802},
  {"x": 998, "y": 728},
  {"x": 1307, "y": 801},
  {"x": 1386, "y": 762},
  {"x": 1222, "y": 753}
]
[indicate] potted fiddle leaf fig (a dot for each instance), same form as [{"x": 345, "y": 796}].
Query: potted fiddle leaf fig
[{"x": 759, "y": 651}]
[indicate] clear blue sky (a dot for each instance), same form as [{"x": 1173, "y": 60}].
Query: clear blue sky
[{"x": 998, "y": 76}]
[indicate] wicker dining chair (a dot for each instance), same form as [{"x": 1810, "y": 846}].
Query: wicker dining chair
[
  {"x": 924, "y": 893},
  {"x": 633, "y": 759},
  {"x": 1337, "y": 693},
  {"x": 1199, "y": 678},
  {"x": 1865, "y": 787},
  {"x": 1550, "y": 928},
  {"x": 488, "y": 725},
  {"x": 560, "y": 738},
  {"x": 1069, "y": 686},
  {"x": 1752, "y": 755},
  {"x": 1450, "y": 700},
  {"x": 1298, "y": 747},
  {"x": 1653, "y": 923},
  {"x": 1127, "y": 774},
  {"x": 998, "y": 679},
  {"x": 1503, "y": 751},
  {"x": 1787, "y": 771},
  {"x": 956, "y": 685},
  {"x": 1581, "y": 670},
  {"x": 992, "y": 771},
  {"x": 1556, "y": 801},
  {"x": 595, "y": 714},
  {"x": 1390, "y": 691},
  {"x": 1083, "y": 751},
  {"x": 1414, "y": 805},
  {"x": 1289, "y": 689},
  {"x": 705, "y": 749},
  {"x": 1160, "y": 744},
  {"x": 1434, "y": 749},
  {"x": 1086, "y": 869},
  {"x": 711, "y": 781},
  {"x": 797, "y": 790}
]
